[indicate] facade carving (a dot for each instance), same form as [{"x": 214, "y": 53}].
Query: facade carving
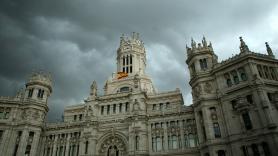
[{"x": 234, "y": 110}]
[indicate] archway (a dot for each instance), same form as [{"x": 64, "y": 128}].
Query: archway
[{"x": 113, "y": 146}]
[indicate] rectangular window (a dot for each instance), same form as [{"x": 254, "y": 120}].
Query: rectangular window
[
  {"x": 217, "y": 132},
  {"x": 249, "y": 99},
  {"x": 30, "y": 93},
  {"x": 154, "y": 106},
  {"x": 102, "y": 110},
  {"x": 80, "y": 117},
  {"x": 127, "y": 60},
  {"x": 130, "y": 59},
  {"x": 123, "y": 61},
  {"x": 108, "y": 109},
  {"x": 86, "y": 147},
  {"x": 247, "y": 121},
  {"x": 233, "y": 102},
  {"x": 158, "y": 144},
  {"x": 136, "y": 142},
  {"x": 130, "y": 68},
  {"x": 126, "y": 69},
  {"x": 120, "y": 107},
  {"x": 127, "y": 107},
  {"x": 2, "y": 115},
  {"x": 160, "y": 106},
  {"x": 74, "y": 117},
  {"x": 1, "y": 135}
]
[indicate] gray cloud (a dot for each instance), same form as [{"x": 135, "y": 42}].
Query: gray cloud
[{"x": 77, "y": 40}]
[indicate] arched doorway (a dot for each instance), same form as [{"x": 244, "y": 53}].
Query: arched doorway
[
  {"x": 113, "y": 146},
  {"x": 113, "y": 151}
]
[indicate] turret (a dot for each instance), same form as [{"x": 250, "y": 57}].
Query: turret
[
  {"x": 38, "y": 87},
  {"x": 200, "y": 57}
]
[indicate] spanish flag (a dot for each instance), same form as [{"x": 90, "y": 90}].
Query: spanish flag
[{"x": 121, "y": 75}]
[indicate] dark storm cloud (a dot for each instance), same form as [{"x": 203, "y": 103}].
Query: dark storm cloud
[{"x": 76, "y": 40}]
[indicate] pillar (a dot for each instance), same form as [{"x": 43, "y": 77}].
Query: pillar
[
  {"x": 22, "y": 142},
  {"x": 165, "y": 136},
  {"x": 35, "y": 143},
  {"x": 55, "y": 145},
  {"x": 67, "y": 145}
]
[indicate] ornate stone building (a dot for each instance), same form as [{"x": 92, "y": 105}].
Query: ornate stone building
[{"x": 234, "y": 110}]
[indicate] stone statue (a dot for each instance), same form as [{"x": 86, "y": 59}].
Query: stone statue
[{"x": 94, "y": 89}]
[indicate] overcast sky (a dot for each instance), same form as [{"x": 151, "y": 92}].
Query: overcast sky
[{"x": 76, "y": 40}]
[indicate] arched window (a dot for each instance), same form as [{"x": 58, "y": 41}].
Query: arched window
[
  {"x": 158, "y": 143},
  {"x": 124, "y": 89},
  {"x": 228, "y": 80},
  {"x": 217, "y": 132},
  {"x": 255, "y": 150},
  {"x": 191, "y": 140},
  {"x": 40, "y": 93},
  {"x": 30, "y": 93},
  {"x": 247, "y": 121},
  {"x": 175, "y": 141},
  {"x": 28, "y": 150},
  {"x": 266, "y": 149},
  {"x": 235, "y": 77},
  {"x": 242, "y": 73},
  {"x": 220, "y": 153}
]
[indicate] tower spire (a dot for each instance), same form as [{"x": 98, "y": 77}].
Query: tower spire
[
  {"x": 204, "y": 42},
  {"x": 243, "y": 47},
  {"x": 268, "y": 49}
]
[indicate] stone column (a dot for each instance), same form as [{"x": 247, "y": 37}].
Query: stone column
[
  {"x": 67, "y": 144},
  {"x": 182, "y": 135},
  {"x": 6, "y": 137},
  {"x": 10, "y": 142},
  {"x": 265, "y": 105},
  {"x": 23, "y": 142},
  {"x": 92, "y": 144},
  {"x": 165, "y": 136},
  {"x": 35, "y": 143},
  {"x": 55, "y": 145},
  {"x": 261, "y": 150}
]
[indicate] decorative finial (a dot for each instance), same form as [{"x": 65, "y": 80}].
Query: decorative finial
[
  {"x": 204, "y": 42},
  {"x": 243, "y": 47},
  {"x": 268, "y": 49},
  {"x": 193, "y": 43},
  {"x": 122, "y": 38}
]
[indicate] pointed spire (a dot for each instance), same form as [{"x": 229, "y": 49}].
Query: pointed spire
[
  {"x": 268, "y": 49},
  {"x": 193, "y": 43},
  {"x": 243, "y": 47},
  {"x": 204, "y": 42},
  {"x": 122, "y": 39}
]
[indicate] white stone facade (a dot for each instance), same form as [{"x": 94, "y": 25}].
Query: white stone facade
[{"x": 234, "y": 110}]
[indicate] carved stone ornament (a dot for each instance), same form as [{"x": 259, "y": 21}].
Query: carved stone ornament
[
  {"x": 208, "y": 87},
  {"x": 113, "y": 146}
]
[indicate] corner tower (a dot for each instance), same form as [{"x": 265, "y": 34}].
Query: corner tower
[{"x": 38, "y": 87}]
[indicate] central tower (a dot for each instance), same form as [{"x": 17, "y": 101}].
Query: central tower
[
  {"x": 131, "y": 55},
  {"x": 131, "y": 63}
]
